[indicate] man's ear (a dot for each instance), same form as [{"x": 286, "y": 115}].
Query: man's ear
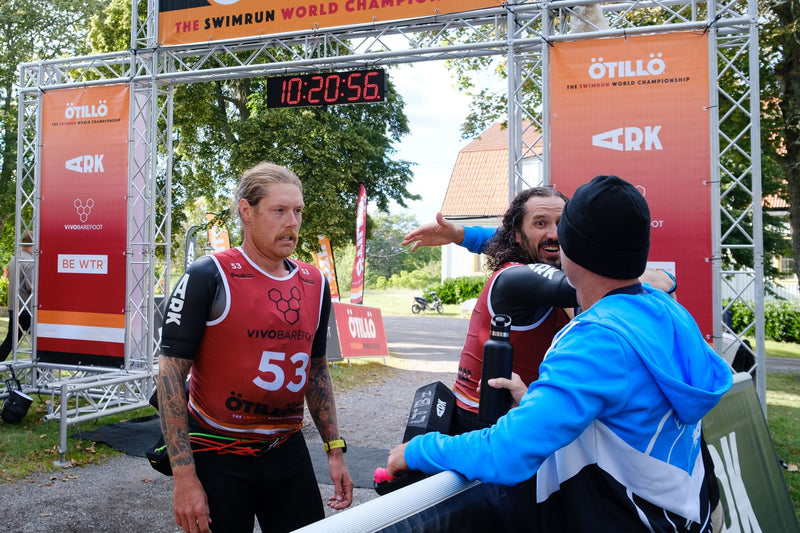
[{"x": 245, "y": 210}]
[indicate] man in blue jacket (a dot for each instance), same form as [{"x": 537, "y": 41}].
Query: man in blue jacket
[{"x": 612, "y": 425}]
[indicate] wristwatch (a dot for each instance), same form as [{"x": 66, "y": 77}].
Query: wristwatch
[{"x": 336, "y": 443}]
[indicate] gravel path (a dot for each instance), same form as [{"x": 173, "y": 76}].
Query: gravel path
[{"x": 126, "y": 495}]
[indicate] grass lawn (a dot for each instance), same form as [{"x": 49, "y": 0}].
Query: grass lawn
[
  {"x": 398, "y": 302},
  {"x": 783, "y": 417},
  {"x": 780, "y": 349}
]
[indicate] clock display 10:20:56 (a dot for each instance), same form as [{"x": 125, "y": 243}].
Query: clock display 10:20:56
[{"x": 327, "y": 88}]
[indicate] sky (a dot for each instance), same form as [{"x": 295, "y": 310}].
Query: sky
[{"x": 435, "y": 112}]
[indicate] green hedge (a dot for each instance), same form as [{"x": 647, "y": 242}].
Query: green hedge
[
  {"x": 457, "y": 290},
  {"x": 781, "y": 319},
  {"x": 417, "y": 279}
]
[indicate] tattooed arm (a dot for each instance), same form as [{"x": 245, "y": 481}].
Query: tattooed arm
[
  {"x": 321, "y": 405},
  {"x": 187, "y": 310},
  {"x": 189, "y": 502}
]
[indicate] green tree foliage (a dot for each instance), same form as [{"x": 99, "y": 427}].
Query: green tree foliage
[
  {"x": 386, "y": 256},
  {"x": 774, "y": 168},
  {"x": 110, "y": 29},
  {"x": 332, "y": 150},
  {"x": 488, "y": 103},
  {"x": 30, "y": 30},
  {"x": 780, "y": 82},
  {"x": 223, "y": 127}
]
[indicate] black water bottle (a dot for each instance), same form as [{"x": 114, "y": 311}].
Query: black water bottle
[{"x": 498, "y": 357}]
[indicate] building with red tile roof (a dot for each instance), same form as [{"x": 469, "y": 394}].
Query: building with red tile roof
[
  {"x": 477, "y": 194},
  {"x": 478, "y": 187}
]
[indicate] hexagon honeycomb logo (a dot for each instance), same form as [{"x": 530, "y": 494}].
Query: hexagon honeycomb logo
[{"x": 290, "y": 307}]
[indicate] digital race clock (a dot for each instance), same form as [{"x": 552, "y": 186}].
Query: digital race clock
[{"x": 327, "y": 88}]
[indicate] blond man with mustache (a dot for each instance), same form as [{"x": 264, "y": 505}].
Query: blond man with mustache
[{"x": 249, "y": 325}]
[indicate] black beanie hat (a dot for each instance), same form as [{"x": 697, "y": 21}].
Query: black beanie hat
[{"x": 605, "y": 228}]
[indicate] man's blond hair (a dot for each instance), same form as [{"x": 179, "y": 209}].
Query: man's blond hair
[{"x": 254, "y": 183}]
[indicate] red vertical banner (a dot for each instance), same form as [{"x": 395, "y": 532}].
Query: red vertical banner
[
  {"x": 637, "y": 107},
  {"x": 357, "y": 282},
  {"x": 83, "y": 226},
  {"x": 325, "y": 262}
]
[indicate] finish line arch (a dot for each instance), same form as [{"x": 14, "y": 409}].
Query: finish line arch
[{"x": 523, "y": 33}]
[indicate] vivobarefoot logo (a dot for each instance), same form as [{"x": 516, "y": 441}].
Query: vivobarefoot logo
[{"x": 83, "y": 209}]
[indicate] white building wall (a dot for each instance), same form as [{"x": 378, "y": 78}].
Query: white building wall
[
  {"x": 454, "y": 259},
  {"x": 458, "y": 261}
]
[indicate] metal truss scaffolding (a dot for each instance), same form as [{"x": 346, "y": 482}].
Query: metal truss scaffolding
[{"x": 518, "y": 33}]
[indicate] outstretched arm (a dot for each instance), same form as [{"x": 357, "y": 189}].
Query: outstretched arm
[
  {"x": 437, "y": 233},
  {"x": 396, "y": 463},
  {"x": 442, "y": 232}
]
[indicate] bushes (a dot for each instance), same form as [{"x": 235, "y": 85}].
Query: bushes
[
  {"x": 456, "y": 290},
  {"x": 417, "y": 279},
  {"x": 781, "y": 319},
  {"x": 451, "y": 291}
]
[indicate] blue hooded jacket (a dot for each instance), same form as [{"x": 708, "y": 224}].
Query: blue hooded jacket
[{"x": 622, "y": 390}]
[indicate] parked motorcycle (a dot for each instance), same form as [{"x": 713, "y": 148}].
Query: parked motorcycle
[{"x": 424, "y": 304}]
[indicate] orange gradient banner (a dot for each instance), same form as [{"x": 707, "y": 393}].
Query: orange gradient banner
[
  {"x": 218, "y": 238},
  {"x": 83, "y": 226},
  {"x": 325, "y": 262},
  {"x": 638, "y": 108},
  {"x": 194, "y": 21}
]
